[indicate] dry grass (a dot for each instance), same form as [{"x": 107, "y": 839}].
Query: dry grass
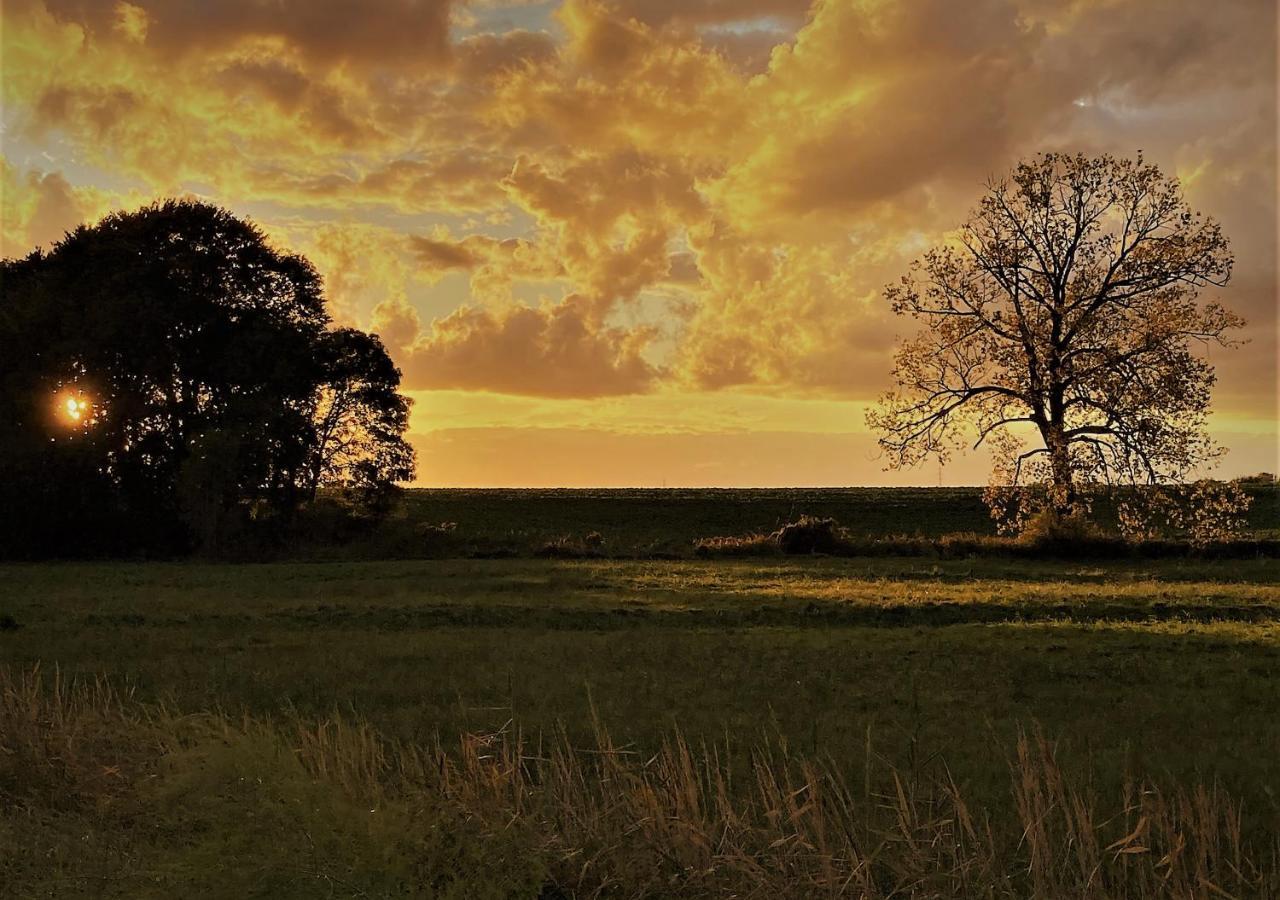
[
  {"x": 500, "y": 815},
  {"x": 808, "y": 536}
]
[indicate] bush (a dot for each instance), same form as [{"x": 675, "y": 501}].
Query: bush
[
  {"x": 1047, "y": 526},
  {"x": 809, "y": 534},
  {"x": 748, "y": 545},
  {"x": 331, "y": 518},
  {"x": 590, "y": 546},
  {"x": 806, "y": 535},
  {"x": 1262, "y": 478},
  {"x": 892, "y": 545}
]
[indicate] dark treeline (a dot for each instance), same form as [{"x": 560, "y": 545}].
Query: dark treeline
[{"x": 169, "y": 381}]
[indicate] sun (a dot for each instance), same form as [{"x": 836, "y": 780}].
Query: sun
[{"x": 74, "y": 408}]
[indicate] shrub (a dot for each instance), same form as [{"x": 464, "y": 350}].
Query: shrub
[
  {"x": 747, "y": 545},
  {"x": 809, "y": 534},
  {"x": 806, "y": 535},
  {"x": 332, "y": 518},
  {"x": 1047, "y": 526},
  {"x": 436, "y": 538},
  {"x": 569, "y": 547},
  {"x": 1205, "y": 512}
]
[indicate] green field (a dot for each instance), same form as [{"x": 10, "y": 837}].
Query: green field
[
  {"x": 1170, "y": 667},
  {"x": 653, "y": 522},
  {"x": 1160, "y": 671},
  {"x": 675, "y": 518}
]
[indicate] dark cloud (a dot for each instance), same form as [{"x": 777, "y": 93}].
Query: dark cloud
[
  {"x": 283, "y": 84},
  {"x": 442, "y": 255},
  {"x": 461, "y": 179},
  {"x": 374, "y": 33},
  {"x": 748, "y": 49},
  {"x": 483, "y": 56},
  {"x": 1161, "y": 49},
  {"x": 714, "y": 12},
  {"x": 102, "y": 109}
]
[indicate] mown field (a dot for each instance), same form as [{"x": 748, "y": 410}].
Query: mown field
[
  {"x": 1168, "y": 671},
  {"x": 1171, "y": 666},
  {"x": 208, "y": 774}
]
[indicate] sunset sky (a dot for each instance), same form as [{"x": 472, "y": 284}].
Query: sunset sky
[{"x": 641, "y": 242}]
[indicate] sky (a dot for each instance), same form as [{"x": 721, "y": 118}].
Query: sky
[{"x": 642, "y": 242}]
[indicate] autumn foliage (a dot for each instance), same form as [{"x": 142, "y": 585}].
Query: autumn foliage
[{"x": 1063, "y": 327}]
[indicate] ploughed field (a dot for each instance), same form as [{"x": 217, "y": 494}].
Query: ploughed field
[{"x": 897, "y": 673}]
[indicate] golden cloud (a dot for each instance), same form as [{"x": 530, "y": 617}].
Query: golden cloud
[
  {"x": 553, "y": 350},
  {"x": 635, "y": 195},
  {"x": 37, "y": 208},
  {"x": 377, "y": 33}
]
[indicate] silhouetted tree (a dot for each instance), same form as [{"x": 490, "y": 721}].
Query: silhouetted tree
[
  {"x": 359, "y": 417},
  {"x": 1067, "y": 306},
  {"x": 198, "y": 356}
]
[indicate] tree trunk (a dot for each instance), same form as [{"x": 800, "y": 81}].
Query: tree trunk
[{"x": 1062, "y": 492}]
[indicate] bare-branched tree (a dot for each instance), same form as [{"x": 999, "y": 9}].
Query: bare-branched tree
[{"x": 1066, "y": 308}]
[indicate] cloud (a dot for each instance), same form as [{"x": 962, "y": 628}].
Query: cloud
[
  {"x": 461, "y": 179},
  {"x": 283, "y": 84},
  {"x": 363, "y": 266},
  {"x": 442, "y": 255},
  {"x": 37, "y": 208},
  {"x": 616, "y": 84},
  {"x": 318, "y": 104},
  {"x": 629, "y": 196},
  {"x": 483, "y": 57},
  {"x": 798, "y": 316},
  {"x": 57, "y": 208},
  {"x": 494, "y": 266},
  {"x": 714, "y": 12},
  {"x": 381, "y": 33},
  {"x": 396, "y": 322},
  {"x": 1198, "y": 48},
  {"x": 555, "y": 350},
  {"x": 875, "y": 99}
]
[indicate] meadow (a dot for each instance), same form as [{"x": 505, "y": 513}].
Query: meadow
[{"x": 143, "y": 701}]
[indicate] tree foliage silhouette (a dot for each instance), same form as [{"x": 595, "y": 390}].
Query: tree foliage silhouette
[
  {"x": 1067, "y": 306},
  {"x": 206, "y": 362},
  {"x": 359, "y": 417}
]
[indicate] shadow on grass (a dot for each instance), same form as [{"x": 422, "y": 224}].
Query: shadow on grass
[{"x": 815, "y": 614}]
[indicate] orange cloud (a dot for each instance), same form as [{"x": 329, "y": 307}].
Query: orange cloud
[
  {"x": 383, "y": 33},
  {"x": 635, "y": 195},
  {"x": 37, "y": 208},
  {"x": 441, "y": 255},
  {"x": 554, "y": 350}
]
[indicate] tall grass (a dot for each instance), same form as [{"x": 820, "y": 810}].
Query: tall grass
[
  {"x": 333, "y": 808},
  {"x": 1032, "y": 546}
]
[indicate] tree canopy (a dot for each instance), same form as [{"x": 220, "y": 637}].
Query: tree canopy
[
  {"x": 1068, "y": 308},
  {"x": 165, "y": 367}
]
